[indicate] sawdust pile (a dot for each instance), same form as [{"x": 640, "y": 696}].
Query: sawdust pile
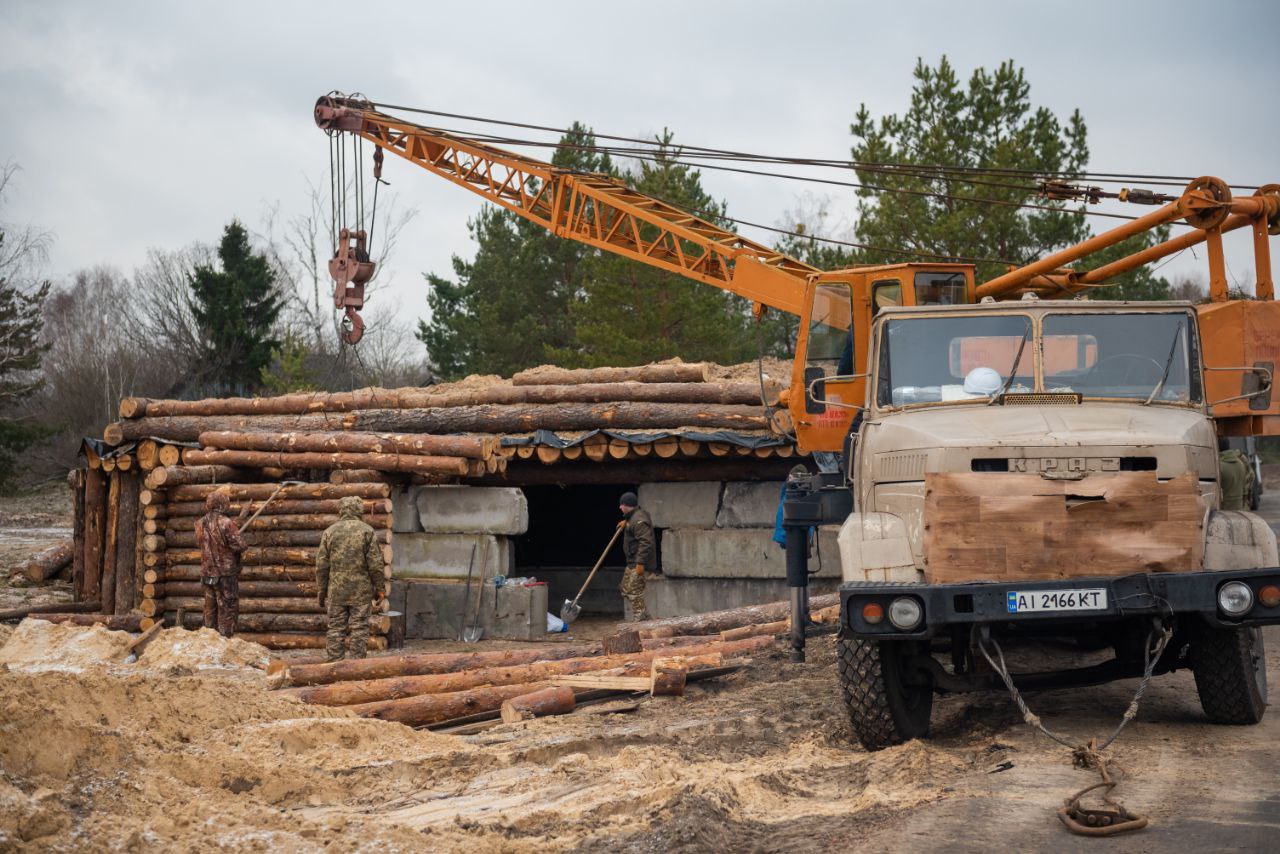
[
  {"x": 110, "y": 755},
  {"x": 41, "y": 645},
  {"x": 202, "y": 649}
]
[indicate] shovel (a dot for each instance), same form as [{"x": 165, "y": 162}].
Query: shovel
[
  {"x": 569, "y": 611},
  {"x": 270, "y": 498},
  {"x": 475, "y": 631}
]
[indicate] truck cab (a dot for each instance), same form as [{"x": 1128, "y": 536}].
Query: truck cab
[{"x": 1042, "y": 468}]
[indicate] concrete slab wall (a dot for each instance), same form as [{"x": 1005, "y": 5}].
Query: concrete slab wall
[
  {"x": 739, "y": 553},
  {"x": 472, "y": 510},
  {"x": 681, "y": 505},
  {"x": 435, "y": 609},
  {"x": 749, "y": 505},
  {"x": 404, "y": 510},
  {"x": 448, "y": 555}
]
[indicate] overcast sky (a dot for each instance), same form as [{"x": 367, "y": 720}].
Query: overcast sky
[{"x": 144, "y": 125}]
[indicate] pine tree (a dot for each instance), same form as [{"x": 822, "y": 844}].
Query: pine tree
[
  {"x": 988, "y": 125},
  {"x": 509, "y": 307},
  {"x": 21, "y": 326},
  {"x": 631, "y": 313},
  {"x": 236, "y": 309}
]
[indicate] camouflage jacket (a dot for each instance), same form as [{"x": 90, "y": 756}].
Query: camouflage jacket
[
  {"x": 220, "y": 545},
  {"x": 349, "y": 560},
  {"x": 637, "y": 541}
]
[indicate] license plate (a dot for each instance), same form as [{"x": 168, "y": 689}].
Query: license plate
[{"x": 1032, "y": 601}]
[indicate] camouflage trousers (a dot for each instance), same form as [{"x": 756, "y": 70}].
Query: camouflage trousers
[
  {"x": 222, "y": 604},
  {"x": 632, "y": 588},
  {"x": 348, "y": 631}
]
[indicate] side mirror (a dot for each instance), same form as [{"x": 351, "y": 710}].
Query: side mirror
[{"x": 815, "y": 390}]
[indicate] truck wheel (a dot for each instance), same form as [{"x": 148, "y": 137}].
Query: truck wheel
[
  {"x": 883, "y": 709},
  {"x": 1230, "y": 667}
]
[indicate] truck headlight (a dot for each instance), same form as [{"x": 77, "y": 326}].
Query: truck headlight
[
  {"x": 905, "y": 613},
  {"x": 1235, "y": 598}
]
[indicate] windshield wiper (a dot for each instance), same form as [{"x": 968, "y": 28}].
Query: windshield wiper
[
  {"x": 1013, "y": 371},
  {"x": 1168, "y": 363}
]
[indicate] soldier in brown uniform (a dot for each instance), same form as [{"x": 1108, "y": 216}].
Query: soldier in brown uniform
[
  {"x": 220, "y": 546},
  {"x": 350, "y": 579},
  {"x": 641, "y": 553}
]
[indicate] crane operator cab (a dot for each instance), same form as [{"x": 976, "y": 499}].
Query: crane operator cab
[{"x": 828, "y": 383}]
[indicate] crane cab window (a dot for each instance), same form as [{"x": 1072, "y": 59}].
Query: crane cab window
[
  {"x": 940, "y": 289},
  {"x": 884, "y": 294},
  {"x": 830, "y": 345}
]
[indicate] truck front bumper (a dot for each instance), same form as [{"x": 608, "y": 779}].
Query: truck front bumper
[{"x": 1138, "y": 595}]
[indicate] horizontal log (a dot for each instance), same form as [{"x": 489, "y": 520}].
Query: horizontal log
[
  {"x": 114, "y": 622},
  {"x": 307, "y": 522},
  {"x": 247, "y": 588},
  {"x": 191, "y": 572},
  {"x": 400, "y": 687},
  {"x": 472, "y": 447},
  {"x": 238, "y": 492},
  {"x": 298, "y": 640},
  {"x": 267, "y": 621},
  {"x": 280, "y": 507},
  {"x": 525, "y": 418},
  {"x": 189, "y": 427},
  {"x": 612, "y": 472},
  {"x": 341, "y": 476},
  {"x": 257, "y": 605},
  {"x": 45, "y": 564},
  {"x": 269, "y": 555},
  {"x": 548, "y": 701},
  {"x": 714, "y": 622},
  {"x": 407, "y": 463},
  {"x": 694, "y": 372},
  {"x": 171, "y": 476},
  {"x": 25, "y": 611},
  {"x": 421, "y": 664},
  {"x": 254, "y": 537}
]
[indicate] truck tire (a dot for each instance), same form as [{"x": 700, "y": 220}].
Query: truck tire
[
  {"x": 1231, "y": 674},
  {"x": 883, "y": 709}
]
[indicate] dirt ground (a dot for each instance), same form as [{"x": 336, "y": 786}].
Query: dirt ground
[{"x": 187, "y": 749}]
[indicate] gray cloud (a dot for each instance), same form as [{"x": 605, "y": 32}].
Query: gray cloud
[{"x": 153, "y": 124}]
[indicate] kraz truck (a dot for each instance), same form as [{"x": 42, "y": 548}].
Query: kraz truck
[{"x": 1030, "y": 469}]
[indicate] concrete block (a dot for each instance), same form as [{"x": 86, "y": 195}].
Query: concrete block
[
  {"x": 749, "y": 505},
  {"x": 404, "y": 510},
  {"x": 435, "y": 609},
  {"x": 740, "y": 553},
  {"x": 681, "y": 505},
  {"x": 678, "y": 597},
  {"x": 448, "y": 555},
  {"x": 472, "y": 510}
]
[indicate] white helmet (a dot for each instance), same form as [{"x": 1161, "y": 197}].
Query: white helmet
[{"x": 984, "y": 381}]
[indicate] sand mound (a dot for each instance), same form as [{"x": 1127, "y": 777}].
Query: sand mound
[
  {"x": 201, "y": 649},
  {"x": 42, "y": 645}
]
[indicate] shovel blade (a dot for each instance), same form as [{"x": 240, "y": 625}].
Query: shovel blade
[
  {"x": 472, "y": 635},
  {"x": 569, "y": 611}
]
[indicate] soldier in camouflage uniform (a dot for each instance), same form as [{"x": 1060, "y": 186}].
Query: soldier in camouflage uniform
[
  {"x": 220, "y": 546},
  {"x": 349, "y": 576},
  {"x": 641, "y": 553}
]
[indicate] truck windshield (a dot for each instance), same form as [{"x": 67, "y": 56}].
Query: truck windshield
[
  {"x": 965, "y": 357},
  {"x": 1140, "y": 356}
]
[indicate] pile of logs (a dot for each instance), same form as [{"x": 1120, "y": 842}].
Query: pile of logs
[
  {"x": 437, "y": 436},
  {"x": 278, "y": 595},
  {"x": 444, "y": 689},
  {"x": 439, "y": 689}
]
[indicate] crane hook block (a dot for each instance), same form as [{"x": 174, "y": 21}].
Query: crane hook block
[{"x": 351, "y": 270}]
